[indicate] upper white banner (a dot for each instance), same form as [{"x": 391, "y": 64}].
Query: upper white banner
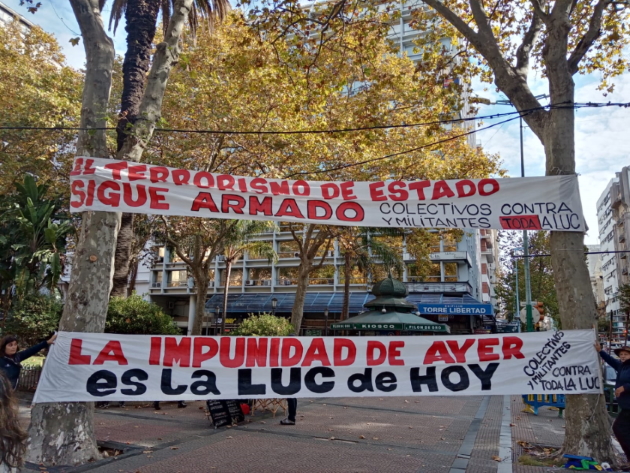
[
  {"x": 527, "y": 203},
  {"x": 110, "y": 367}
]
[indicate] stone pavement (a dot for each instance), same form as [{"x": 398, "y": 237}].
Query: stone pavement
[{"x": 476, "y": 434}]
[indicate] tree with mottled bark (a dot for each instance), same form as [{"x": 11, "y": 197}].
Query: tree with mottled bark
[
  {"x": 63, "y": 433},
  {"x": 197, "y": 242},
  {"x": 310, "y": 240},
  {"x": 561, "y": 39}
]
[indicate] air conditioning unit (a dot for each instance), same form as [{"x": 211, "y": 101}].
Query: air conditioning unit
[
  {"x": 266, "y": 282},
  {"x": 211, "y": 284},
  {"x": 249, "y": 282},
  {"x": 407, "y": 256},
  {"x": 331, "y": 253},
  {"x": 296, "y": 254}
]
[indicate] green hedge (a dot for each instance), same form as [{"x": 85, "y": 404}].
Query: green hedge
[
  {"x": 264, "y": 325},
  {"x": 134, "y": 315}
]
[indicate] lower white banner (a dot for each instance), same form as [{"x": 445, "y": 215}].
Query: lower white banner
[{"x": 110, "y": 367}]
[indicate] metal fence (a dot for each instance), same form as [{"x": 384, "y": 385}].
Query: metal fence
[{"x": 29, "y": 377}]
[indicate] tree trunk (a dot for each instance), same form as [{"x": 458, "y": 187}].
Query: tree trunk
[
  {"x": 133, "y": 275},
  {"x": 63, "y": 433},
  {"x": 141, "y": 18},
  {"x": 587, "y": 429},
  {"x": 345, "y": 310},
  {"x": 201, "y": 282},
  {"x": 297, "y": 312},
  {"x": 122, "y": 257},
  {"x": 226, "y": 290}
]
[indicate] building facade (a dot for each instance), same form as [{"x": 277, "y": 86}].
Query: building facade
[
  {"x": 613, "y": 217},
  {"x": 7, "y": 15},
  {"x": 455, "y": 272}
]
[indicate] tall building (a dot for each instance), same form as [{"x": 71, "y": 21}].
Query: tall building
[
  {"x": 7, "y": 15},
  {"x": 613, "y": 219},
  {"x": 594, "y": 264},
  {"x": 455, "y": 276}
]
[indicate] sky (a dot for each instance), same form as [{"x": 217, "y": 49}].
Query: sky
[{"x": 600, "y": 133}]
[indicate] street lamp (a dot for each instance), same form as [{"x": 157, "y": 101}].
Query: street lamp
[
  {"x": 529, "y": 324},
  {"x": 274, "y": 304},
  {"x": 326, "y": 321},
  {"x": 217, "y": 312},
  {"x": 528, "y": 290}
]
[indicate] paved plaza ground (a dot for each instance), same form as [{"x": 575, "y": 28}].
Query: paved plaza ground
[{"x": 477, "y": 434}]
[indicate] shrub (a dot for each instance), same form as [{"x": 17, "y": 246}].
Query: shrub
[
  {"x": 264, "y": 325},
  {"x": 33, "y": 319},
  {"x": 134, "y": 315}
]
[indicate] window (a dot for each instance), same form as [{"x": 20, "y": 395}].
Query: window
[
  {"x": 177, "y": 278},
  {"x": 236, "y": 277},
  {"x": 287, "y": 249}
]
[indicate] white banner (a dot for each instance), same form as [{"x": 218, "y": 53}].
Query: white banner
[
  {"x": 109, "y": 367},
  {"x": 528, "y": 203}
]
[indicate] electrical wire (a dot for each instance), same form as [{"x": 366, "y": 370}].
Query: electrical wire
[
  {"x": 428, "y": 145},
  {"x": 520, "y": 113}
]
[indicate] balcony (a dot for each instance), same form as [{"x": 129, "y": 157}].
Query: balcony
[
  {"x": 451, "y": 257},
  {"x": 439, "y": 287}
]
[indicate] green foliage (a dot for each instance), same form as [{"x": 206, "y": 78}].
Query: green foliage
[
  {"x": 541, "y": 273},
  {"x": 33, "y": 239},
  {"x": 264, "y": 325},
  {"x": 134, "y": 315},
  {"x": 624, "y": 298},
  {"x": 33, "y": 319}
]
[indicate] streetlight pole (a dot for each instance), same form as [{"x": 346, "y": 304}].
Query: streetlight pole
[
  {"x": 528, "y": 289},
  {"x": 217, "y": 312},
  {"x": 274, "y": 304},
  {"x": 518, "y": 302}
]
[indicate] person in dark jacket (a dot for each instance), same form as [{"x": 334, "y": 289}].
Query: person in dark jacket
[
  {"x": 621, "y": 426},
  {"x": 11, "y": 358}
]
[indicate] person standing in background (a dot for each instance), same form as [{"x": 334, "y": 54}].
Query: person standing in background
[
  {"x": 11, "y": 358},
  {"x": 621, "y": 426}
]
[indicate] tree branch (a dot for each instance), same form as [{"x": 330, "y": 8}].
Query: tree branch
[
  {"x": 184, "y": 258},
  {"x": 523, "y": 52},
  {"x": 538, "y": 10},
  {"x": 452, "y": 18},
  {"x": 585, "y": 43}
]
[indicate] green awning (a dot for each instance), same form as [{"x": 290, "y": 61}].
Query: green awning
[{"x": 390, "y": 320}]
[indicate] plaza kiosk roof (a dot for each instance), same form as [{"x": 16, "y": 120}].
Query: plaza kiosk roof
[{"x": 390, "y": 311}]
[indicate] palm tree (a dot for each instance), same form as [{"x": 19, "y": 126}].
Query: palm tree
[
  {"x": 236, "y": 243},
  {"x": 141, "y": 17}
]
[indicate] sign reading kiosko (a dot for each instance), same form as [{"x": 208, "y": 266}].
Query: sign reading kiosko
[
  {"x": 534, "y": 203},
  {"x": 90, "y": 366}
]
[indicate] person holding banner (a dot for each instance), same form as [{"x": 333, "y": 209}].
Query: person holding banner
[
  {"x": 621, "y": 426},
  {"x": 11, "y": 358}
]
